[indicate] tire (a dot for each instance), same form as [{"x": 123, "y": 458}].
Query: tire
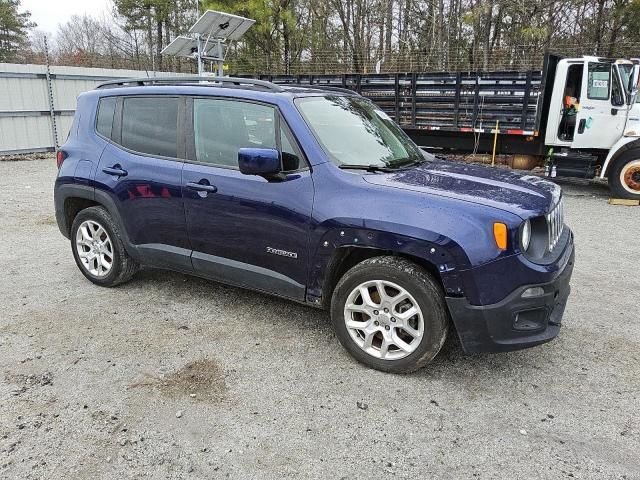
[
  {"x": 122, "y": 266},
  {"x": 624, "y": 175},
  {"x": 381, "y": 350}
]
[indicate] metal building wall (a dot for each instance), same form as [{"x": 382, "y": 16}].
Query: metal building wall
[{"x": 25, "y": 107}]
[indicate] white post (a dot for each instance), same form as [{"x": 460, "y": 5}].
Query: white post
[
  {"x": 199, "y": 42},
  {"x": 220, "y": 59}
]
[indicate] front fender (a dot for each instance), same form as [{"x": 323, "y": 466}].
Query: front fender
[
  {"x": 446, "y": 256},
  {"x": 621, "y": 146},
  {"x": 448, "y": 234}
]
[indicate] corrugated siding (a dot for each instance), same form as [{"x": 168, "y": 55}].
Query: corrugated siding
[{"x": 25, "y": 123}]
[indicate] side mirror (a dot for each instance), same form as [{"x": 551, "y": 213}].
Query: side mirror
[
  {"x": 634, "y": 78},
  {"x": 259, "y": 161}
]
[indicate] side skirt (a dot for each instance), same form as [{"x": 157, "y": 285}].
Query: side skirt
[{"x": 245, "y": 275}]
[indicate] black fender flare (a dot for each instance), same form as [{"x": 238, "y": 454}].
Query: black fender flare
[{"x": 63, "y": 192}]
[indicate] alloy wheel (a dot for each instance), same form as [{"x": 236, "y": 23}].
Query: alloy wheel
[
  {"x": 384, "y": 319},
  {"x": 94, "y": 248}
]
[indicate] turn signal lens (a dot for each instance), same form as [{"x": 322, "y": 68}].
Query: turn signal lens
[{"x": 500, "y": 235}]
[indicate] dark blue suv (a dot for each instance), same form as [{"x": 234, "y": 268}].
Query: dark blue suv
[{"x": 317, "y": 196}]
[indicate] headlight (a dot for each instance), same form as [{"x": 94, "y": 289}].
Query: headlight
[{"x": 525, "y": 235}]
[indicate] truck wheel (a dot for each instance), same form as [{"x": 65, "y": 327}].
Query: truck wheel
[
  {"x": 624, "y": 175},
  {"x": 98, "y": 249},
  {"x": 390, "y": 314}
]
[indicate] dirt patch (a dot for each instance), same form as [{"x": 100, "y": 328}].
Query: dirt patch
[
  {"x": 201, "y": 380},
  {"x": 24, "y": 382}
]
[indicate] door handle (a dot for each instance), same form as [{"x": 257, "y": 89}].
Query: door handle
[
  {"x": 202, "y": 187},
  {"x": 581, "y": 125},
  {"x": 116, "y": 170}
]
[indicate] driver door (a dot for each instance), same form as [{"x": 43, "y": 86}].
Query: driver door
[
  {"x": 244, "y": 229},
  {"x": 602, "y": 115}
]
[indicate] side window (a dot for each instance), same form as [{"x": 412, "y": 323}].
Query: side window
[
  {"x": 222, "y": 127},
  {"x": 617, "y": 94},
  {"x": 598, "y": 81},
  {"x": 150, "y": 125},
  {"x": 291, "y": 156},
  {"x": 104, "y": 122}
]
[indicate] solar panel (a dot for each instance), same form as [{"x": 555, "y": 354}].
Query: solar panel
[
  {"x": 221, "y": 25},
  {"x": 181, "y": 47},
  {"x": 187, "y": 47}
]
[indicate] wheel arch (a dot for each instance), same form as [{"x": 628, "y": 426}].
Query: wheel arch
[
  {"x": 346, "y": 257},
  {"x": 71, "y": 199},
  {"x": 623, "y": 145},
  {"x": 72, "y": 207}
]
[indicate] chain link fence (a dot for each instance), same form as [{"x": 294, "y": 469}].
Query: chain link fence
[
  {"x": 239, "y": 60},
  {"x": 515, "y": 58}
]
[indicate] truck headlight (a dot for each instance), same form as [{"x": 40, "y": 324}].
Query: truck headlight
[{"x": 525, "y": 236}]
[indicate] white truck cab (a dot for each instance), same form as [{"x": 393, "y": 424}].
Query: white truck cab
[{"x": 594, "y": 121}]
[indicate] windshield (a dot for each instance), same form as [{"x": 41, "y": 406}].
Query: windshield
[{"x": 353, "y": 131}]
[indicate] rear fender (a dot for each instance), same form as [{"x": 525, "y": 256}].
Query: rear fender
[{"x": 64, "y": 191}]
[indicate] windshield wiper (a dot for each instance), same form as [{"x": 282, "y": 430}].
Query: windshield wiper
[
  {"x": 369, "y": 168},
  {"x": 405, "y": 164}
]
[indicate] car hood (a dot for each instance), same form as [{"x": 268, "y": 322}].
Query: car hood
[{"x": 524, "y": 195}]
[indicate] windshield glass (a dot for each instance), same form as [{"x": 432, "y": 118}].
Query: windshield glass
[{"x": 353, "y": 131}]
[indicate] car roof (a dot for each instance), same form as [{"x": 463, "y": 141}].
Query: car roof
[{"x": 215, "y": 86}]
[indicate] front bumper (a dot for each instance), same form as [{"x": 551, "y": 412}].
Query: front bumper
[{"x": 515, "y": 322}]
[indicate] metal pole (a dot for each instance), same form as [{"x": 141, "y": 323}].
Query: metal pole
[
  {"x": 495, "y": 141},
  {"x": 199, "y": 41},
  {"x": 52, "y": 114},
  {"x": 220, "y": 59}
]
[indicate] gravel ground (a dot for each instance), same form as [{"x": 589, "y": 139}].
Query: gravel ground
[{"x": 175, "y": 377}]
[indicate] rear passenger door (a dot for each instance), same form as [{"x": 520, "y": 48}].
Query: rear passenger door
[
  {"x": 244, "y": 229},
  {"x": 141, "y": 171}
]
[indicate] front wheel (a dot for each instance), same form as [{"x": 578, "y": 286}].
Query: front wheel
[
  {"x": 390, "y": 314},
  {"x": 624, "y": 175}
]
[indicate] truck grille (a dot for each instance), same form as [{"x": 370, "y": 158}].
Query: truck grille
[{"x": 555, "y": 224}]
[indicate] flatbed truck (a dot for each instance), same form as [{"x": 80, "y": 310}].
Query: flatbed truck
[{"x": 579, "y": 117}]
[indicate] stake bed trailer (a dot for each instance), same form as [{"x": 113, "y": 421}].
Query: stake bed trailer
[{"x": 597, "y": 135}]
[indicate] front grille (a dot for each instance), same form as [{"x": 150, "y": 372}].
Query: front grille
[{"x": 555, "y": 224}]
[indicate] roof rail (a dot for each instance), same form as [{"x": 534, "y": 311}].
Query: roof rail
[
  {"x": 189, "y": 80},
  {"x": 331, "y": 88}
]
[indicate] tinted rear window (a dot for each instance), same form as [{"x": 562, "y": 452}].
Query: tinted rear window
[
  {"x": 106, "y": 108},
  {"x": 150, "y": 125}
]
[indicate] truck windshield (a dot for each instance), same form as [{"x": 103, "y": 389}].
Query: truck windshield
[{"x": 354, "y": 132}]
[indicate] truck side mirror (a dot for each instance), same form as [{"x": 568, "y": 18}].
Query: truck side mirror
[{"x": 633, "y": 80}]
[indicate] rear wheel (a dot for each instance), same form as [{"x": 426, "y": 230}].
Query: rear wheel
[
  {"x": 624, "y": 175},
  {"x": 389, "y": 313},
  {"x": 98, "y": 249}
]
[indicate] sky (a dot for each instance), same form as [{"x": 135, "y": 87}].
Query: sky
[{"x": 49, "y": 13}]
